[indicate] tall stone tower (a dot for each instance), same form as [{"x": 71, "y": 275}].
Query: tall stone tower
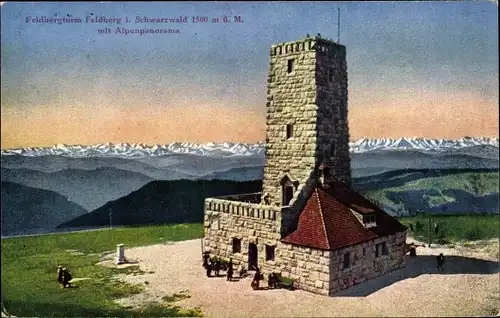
[{"x": 306, "y": 117}]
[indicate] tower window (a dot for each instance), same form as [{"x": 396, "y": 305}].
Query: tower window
[
  {"x": 326, "y": 175},
  {"x": 332, "y": 150},
  {"x": 290, "y": 66},
  {"x": 330, "y": 75},
  {"x": 289, "y": 131}
]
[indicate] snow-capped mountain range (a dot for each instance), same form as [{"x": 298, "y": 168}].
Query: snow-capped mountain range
[{"x": 227, "y": 149}]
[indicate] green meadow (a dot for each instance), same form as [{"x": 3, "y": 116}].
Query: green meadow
[{"x": 29, "y": 266}]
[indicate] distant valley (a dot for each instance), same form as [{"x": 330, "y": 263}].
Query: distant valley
[
  {"x": 402, "y": 175},
  {"x": 398, "y": 192}
]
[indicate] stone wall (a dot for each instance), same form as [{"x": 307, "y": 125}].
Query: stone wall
[
  {"x": 364, "y": 265},
  {"x": 291, "y": 99},
  {"x": 309, "y": 268},
  {"x": 332, "y": 124},
  {"x": 313, "y": 99},
  {"x": 251, "y": 223},
  {"x": 313, "y": 270}
]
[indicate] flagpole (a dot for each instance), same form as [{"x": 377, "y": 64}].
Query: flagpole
[{"x": 338, "y": 25}]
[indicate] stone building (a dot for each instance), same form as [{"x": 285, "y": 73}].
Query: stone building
[{"x": 307, "y": 223}]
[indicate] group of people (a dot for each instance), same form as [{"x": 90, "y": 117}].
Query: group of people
[
  {"x": 211, "y": 265},
  {"x": 272, "y": 280},
  {"x": 63, "y": 277},
  {"x": 412, "y": 248},
  {"x": 216, "y": 265},
  {"x": 256, "y": 279}
]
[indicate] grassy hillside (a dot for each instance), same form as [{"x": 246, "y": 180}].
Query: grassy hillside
[
  {"x": 87, "y": 188},
  {"x": 161, "y": 202},
  {"x": 451, "y": 193},
  {"x": 453, "y": 228},
  {"x": 26, "y": 208},
  {"x": 403, "y": 193},
  {"x": 29, "y": 266}
]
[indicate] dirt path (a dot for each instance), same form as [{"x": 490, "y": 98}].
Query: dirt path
[{"x": 468, "y": 287}]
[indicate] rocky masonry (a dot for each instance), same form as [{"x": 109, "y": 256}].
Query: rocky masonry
[
  {"x": 226, "y": 221},
  {"x": 306, "y": 114}
]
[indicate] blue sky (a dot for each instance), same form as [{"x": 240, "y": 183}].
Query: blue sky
[{"x": 441, "y": 57}]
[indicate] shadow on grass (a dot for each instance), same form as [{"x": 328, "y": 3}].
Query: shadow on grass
[
  {"x": 41, "y": 309},
  {"x": 422, "y": 265}
]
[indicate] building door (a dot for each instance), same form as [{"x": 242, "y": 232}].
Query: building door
[{"x": 252, "y": 257}]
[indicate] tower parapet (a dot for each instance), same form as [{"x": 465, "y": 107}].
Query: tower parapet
[{"x": 307, "y": 44}]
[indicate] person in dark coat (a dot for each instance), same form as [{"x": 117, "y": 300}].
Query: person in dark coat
[
  {"x": 270, "y": 281},
  {"x": 275, "y": 280},
  {"x": 412, "y": 248},
  {"x": 66, "y": 278},
  {"x": 206, "y": 257},
  {"x": 440, "y": 262},
  {"x": 230, "y": 270},
  {"x": 209, "y": 269},
  {"x": 217, "y": 266},
  {"x": 256, "y": 279},
  {"x": 59, "y": 275}
]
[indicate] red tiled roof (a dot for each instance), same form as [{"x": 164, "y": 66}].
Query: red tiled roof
[{"x": 326, "y": 221}]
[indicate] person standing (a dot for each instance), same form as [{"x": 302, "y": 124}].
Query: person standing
[
  {"x": 217, "y": 266},
  {"x": 440, "y": 262},
  {"x": 412, "y": 248},
  {"x": 209, "y": 269},
  {"x": 256, "y": 280},
  {"x": 206, "y": 257},
  {"x": 230, "y": 270},
  {"x": 66, "y": 278},
  {"x": 59, "y": 274}
]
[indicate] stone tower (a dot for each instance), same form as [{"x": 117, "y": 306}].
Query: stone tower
[{"x": 306, "y": 117}]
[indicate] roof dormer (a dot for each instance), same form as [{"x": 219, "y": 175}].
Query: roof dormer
[{"x": 369, "y": 220}]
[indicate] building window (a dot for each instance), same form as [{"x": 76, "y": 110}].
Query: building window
[
  {"x": 381, "y": 249},
  {"x": 330, "y": 75},
  {"x": 269, "y": 253},
  {"x": 236, "y": 245},
  {"x": 385, "y": 250},
  {"x": 347, "y": 260},
  {"x": 289, "y": 131},
  {"x": 290, "y": 66},
  {"x": 364, "y": 251},
  {"x": 325, "y": 175}
]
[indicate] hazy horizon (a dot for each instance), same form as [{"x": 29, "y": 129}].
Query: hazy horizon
[
  {"x": 219, "y": 142},
  {"x": 426, "y": 69}
]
